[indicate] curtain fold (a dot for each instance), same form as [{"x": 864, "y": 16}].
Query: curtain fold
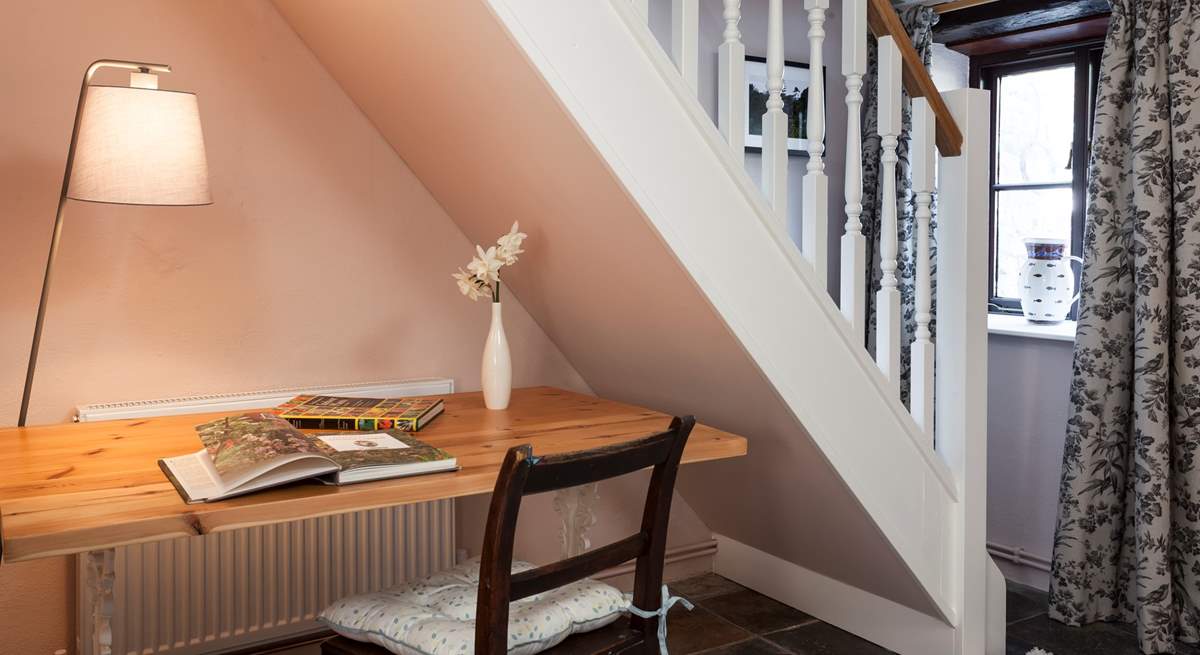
[
  {"x": 918, "y": 21},
  {"x": 1127, "y": 543}
]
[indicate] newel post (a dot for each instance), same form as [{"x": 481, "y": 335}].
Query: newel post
[{"x": 961, "y": 396}]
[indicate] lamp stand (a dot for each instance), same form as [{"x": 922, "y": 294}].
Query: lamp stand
[{"x": 58, "y": 216}]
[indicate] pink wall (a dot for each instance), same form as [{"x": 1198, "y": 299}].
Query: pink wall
[{"x": 323, "y": 260}]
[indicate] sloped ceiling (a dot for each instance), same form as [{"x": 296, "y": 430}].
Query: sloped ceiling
[{"x": 459, "y": 102}]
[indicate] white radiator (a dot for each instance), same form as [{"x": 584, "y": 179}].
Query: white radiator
[{"x": 230, "y": 590}]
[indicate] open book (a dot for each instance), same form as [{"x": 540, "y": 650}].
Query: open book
[{"x": 254, "y": 451}]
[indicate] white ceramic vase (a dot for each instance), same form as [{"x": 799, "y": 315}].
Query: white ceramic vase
[
  {"x": 497, "y": 364},
  {"x": 1047, "y": 281}
]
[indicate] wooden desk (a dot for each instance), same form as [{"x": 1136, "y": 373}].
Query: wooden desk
[{"x": 89, "y": 486}]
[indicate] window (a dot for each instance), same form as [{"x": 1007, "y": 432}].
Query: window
[{"x": 1042, "y": 107}]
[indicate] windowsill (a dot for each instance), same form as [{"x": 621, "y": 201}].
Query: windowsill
[{"x": 1018, "y": 326}]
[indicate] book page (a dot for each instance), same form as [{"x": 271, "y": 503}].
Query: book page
[
  {"x": 244, "y": 445},
  {"x": 196, "y": 475},
  {"x": 287, "y": 469},
  {"x": 369, "y": 449},
  {"x": 362, "y": 441}
]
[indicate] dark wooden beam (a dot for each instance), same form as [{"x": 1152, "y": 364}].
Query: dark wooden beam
[
  {"x": 884, "y": 21},
  {"x": 996, "y": 18},
  {"x": 1042, "y": 37}
]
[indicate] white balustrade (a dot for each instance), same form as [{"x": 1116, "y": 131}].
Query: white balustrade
[
  {"x": 731, "y": 121},
  {"x": 923, "y": 156},
  {"x": 854, "y": 245},
  {"x": 731, "y": 81},
  {"x": 815, "y": 194},
  {"x": 887, "y": 299},
  {"x": 685, "y": 40},
  {"x": 774, "y": 121}
]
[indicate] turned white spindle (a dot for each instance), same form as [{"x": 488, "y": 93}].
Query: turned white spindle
[
  {"x": 731, "y": 82},
  {"x": 887, "y": 300},
  {"x": 923, "y": 156},
  {"x": 685, "y": 40},
  {"x": 854, "y": 245},
  {"x": 815, "y": 194},
  {"x": 774, "y": 121}
]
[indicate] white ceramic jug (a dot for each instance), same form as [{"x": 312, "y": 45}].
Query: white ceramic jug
[{"x": 1047, "y": 281}]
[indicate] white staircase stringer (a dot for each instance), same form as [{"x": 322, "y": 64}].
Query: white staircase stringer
[{"x": 621, "y": 89}]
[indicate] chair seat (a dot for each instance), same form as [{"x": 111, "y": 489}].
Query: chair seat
[{"x": 436, "y": 616}]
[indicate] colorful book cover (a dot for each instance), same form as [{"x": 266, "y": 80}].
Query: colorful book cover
[{"x": 368, "y": 414}]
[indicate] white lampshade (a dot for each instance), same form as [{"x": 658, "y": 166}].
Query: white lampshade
[{"x": 140, "y": 146}]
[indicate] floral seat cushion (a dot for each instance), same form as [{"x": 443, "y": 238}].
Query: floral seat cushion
[{"x": 436, "y": 616}]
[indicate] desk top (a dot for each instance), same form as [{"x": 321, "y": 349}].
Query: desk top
[{"x": 85, "y": 486}]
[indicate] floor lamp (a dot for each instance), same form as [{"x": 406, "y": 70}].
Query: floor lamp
[{"x": 130, "y": 145}]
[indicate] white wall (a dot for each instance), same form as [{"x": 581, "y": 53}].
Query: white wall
[
  {"x": 795, "y": 48},
  {"x": 1028, "y": 386},
  {"x": 949, "y": 69}
]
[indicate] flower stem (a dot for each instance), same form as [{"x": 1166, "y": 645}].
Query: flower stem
[{"x": 496, "y": 291}]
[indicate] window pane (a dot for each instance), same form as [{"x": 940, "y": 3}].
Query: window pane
[
  {"x": 1036, "y": 126},
  {"x": 1043, "y": 213}
]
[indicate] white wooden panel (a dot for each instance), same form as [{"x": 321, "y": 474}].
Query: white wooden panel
[
  {"x": 815, "y": 235},
  {"x": 643, "y": 7},
  {"x": 731, "y": 81},
  {"x": 854, "y": 37},
  {"x": 890, "y": 83},
  {"x": 962, "y": 354},
  {"x": 685, "y": 40},
  {"x": 877, "y": 619}
]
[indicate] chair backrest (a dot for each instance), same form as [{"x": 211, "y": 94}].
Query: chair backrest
[{"x": 522, "y": 473}]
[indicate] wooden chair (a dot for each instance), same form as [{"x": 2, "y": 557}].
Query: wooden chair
[{"x": 522, "y": 474}]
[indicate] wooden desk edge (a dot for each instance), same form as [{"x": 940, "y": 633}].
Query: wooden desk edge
[{"x": 192, "y": 525}]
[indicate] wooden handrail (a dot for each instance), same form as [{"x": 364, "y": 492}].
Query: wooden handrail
[{"x": 885, "y": 22}]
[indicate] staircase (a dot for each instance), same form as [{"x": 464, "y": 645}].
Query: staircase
[{"x": 671, "y": 279}]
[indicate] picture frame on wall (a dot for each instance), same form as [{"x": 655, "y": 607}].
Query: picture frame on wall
[{"x": 796, "y": 80}]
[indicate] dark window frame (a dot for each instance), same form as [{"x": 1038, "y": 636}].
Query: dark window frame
[{"x": 985, "y": 72}]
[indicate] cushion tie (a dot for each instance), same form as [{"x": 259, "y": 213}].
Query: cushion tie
[{"x": 667, "y": 602}]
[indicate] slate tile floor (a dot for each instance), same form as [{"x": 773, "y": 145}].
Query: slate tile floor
[{"x": 732, "y": 620}]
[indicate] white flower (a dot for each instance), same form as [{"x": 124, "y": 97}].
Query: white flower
[
  {"x": 510, "y": 245},
  {"x": 468, "y": 284},
  {"x": 485, "y": 265}
]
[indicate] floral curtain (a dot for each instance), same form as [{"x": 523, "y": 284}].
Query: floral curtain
[
  {"x": 1127, "y": 546},
  {"x": 919, "y": 22}
]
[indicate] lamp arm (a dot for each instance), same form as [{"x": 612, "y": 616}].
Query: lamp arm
[{"x": 58, "y": 216}]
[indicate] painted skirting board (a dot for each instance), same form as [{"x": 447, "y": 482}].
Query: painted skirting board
[{"x": 888, "y": 624}]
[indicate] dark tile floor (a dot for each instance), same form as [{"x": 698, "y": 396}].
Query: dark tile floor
[{"x": 732, "y": 620}]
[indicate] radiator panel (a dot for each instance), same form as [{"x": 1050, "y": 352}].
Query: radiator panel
[{"x": 229, "y": 590}]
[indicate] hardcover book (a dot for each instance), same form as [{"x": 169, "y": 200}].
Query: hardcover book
[
  {"x": 255, "y": 451},
  {"x": 371, "y": 414}
]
